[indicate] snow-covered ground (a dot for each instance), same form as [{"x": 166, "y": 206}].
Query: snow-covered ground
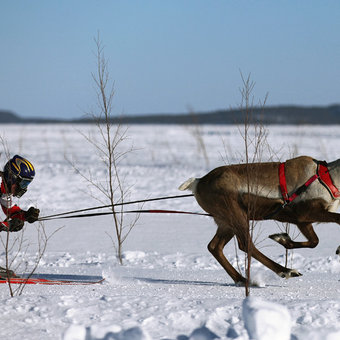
[{"x": 169, "y": 286}]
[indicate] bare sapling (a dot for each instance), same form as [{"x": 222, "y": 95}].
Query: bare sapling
[
  {"x": 235, "y": 213},
  {"x": 254, "y": 138},
  {"x": 111, "y": 148}
]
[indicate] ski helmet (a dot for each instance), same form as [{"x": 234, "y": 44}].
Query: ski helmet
[{"x": 20, "y": 171}]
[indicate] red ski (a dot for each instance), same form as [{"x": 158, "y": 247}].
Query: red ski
[{"x": 51, "y": 279}]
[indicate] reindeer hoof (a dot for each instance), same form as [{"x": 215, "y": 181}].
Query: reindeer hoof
[
  {"x": 338, "y": 251},
  {"x": 284, "y": 239},
  {"x": 289, "y": 273},
  {"x": 280, "y": 237}
]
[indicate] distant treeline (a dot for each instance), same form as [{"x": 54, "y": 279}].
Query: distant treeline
[{"x": 268, "y": 115}]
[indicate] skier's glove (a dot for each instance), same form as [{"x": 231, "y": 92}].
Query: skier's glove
[
  {"x": 31, "y": 215},
  {"x": 15, "y": 224}
]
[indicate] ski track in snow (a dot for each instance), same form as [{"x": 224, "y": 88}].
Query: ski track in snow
[{"x": 169, "y": 287}]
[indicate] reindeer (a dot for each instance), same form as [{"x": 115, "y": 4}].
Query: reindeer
[{"x": 294, "y": 192}]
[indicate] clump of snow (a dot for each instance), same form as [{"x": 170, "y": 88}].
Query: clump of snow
[
  {"x": 266, "y": 320},
  {"x": 77, "y": 332},
  {"x": 133, "y": 255},
  {"x": 110, "y": 275},
  {"x": 258, "y": 280}
]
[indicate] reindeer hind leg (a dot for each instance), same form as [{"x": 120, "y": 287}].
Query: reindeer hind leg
[
  {"x": 255, "y": 253},
  {"x": 216, "y": 246}
]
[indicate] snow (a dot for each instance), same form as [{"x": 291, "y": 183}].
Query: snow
[
  {"x": 266, "y": 320},
  {"x": 169, "y": 286}
]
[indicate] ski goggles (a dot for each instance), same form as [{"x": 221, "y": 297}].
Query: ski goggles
[{"x": 23, "y": 182}]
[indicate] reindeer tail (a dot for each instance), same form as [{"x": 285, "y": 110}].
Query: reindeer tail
[{"x": 189, "y": 184}]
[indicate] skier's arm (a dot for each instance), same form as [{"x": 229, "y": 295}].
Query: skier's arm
[
  {"x": 16, "y": 215},
  {"x": 15, "y": 212},
  {"x": 15, "y": 219}
]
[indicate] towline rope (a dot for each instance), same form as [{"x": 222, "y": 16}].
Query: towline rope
[
  {"x": 141, "y": 211},
  {"x": 62, "y": 215}
]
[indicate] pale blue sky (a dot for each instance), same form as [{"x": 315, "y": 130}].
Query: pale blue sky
[{"x": 166, "y": 56}]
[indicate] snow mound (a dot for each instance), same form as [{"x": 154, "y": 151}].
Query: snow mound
[
  {"x": 77, "y": 332},
  {"x": 266, "y": 320}
]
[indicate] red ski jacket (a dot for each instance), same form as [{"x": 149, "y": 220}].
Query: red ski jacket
[{"x": 11, "y": 210}]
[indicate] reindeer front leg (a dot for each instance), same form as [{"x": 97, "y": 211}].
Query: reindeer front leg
[
  {"x": 331, "y": 217},
  {"x": 305, "y": 214},
  {"x": 306, "y": 229}
]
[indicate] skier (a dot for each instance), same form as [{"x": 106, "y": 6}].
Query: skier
[{"x": 18, "y": 173}]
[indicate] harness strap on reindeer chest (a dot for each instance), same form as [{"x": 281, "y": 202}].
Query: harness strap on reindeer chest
[
  {"x": 322, "y": 173},
  {"x": 326, "y": 180}
]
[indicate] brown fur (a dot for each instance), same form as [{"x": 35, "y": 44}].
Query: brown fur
[{"x": 236, "y": 194}]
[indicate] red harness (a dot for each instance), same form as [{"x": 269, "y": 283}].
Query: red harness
[{"x": 322, "y": 173}]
